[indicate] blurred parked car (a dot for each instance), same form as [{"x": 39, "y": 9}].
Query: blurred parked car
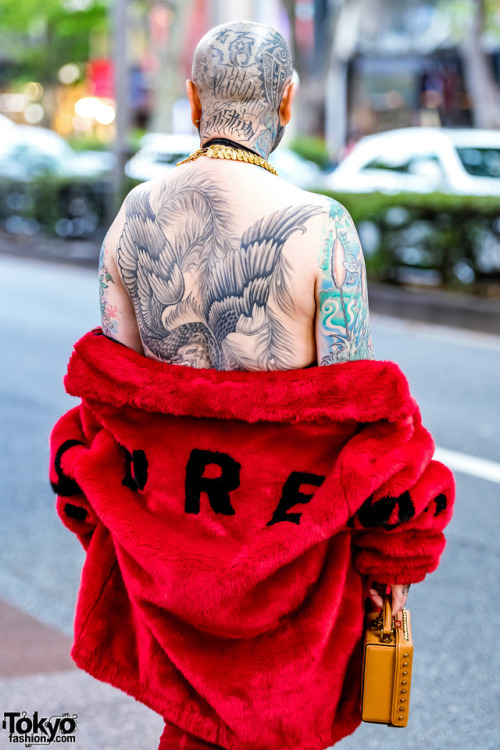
[
  {"x": 159, "y": 153},
  {"x": 297, "y": 170},
  {"x": 422, "y": 160},
  {"x": 27, "y": 152},
  {"x": 44, "y": 184}
]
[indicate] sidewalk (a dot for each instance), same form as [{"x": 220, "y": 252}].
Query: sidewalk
[{"x": 37, "y": 674}]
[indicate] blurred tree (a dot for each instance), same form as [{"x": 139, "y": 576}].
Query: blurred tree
[
  {"x": 43, "y": 36},
  {"x": 474, "y": 22}
]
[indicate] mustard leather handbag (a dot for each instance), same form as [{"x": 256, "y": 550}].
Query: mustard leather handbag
[{"x": 387, "y": 666}]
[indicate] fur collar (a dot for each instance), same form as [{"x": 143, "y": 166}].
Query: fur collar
[{"x": 102, "y": 370}]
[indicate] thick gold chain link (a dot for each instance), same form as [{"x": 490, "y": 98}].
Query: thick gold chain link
[{"x": 226, "y": 152}]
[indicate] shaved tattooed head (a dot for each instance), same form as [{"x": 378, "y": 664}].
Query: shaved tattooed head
[{"x": 241, "y": 71}]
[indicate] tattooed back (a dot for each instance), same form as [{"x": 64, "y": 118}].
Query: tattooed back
[{"x": 223, "y": 265}]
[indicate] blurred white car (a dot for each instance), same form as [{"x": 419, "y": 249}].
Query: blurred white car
[
  {"x": 27, "y": 151},
  {"x": 301, "y": 172},
  {"x": 160, "y": 153},
  {"x": 422, "y": 160}
]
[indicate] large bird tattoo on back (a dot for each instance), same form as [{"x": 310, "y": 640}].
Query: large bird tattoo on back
[{"x": 188, "y": 232}]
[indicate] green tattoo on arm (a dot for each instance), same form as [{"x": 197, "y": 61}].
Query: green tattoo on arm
[
  {"x": 109, "y": 313},
  {"x": 343, "y": 331}
]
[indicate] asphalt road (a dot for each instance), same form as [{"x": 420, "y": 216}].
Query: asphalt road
[{"x": 454, "y": 375}]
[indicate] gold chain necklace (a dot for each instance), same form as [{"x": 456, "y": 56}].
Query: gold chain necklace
[{"x": 227, "y": 152}]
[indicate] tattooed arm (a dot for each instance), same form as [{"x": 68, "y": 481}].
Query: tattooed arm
[
  {"x": 342, "y": 328},
  {"x": 117, "y": 313}
]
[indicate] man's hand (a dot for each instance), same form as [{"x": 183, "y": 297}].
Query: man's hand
[{"x": 399, "y": 595}]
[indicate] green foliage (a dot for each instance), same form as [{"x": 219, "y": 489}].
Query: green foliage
[
  {"x": 43, "y": 36},
  {"x": 459, "y": 14},
  {"x": 48, "y": 200},
  {"x": 128, "y": 185},
  {"x": 311, "y": 148},
  {"x": 86, "y": 142},
  {"x": 94, "y": 142},
  {"x": 134, "y": 139},
  {"x": 456, "y": 237}
]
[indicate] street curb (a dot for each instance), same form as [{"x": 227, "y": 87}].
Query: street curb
[
  {"x": 52, "y": 249},
  {"x": 436, "y": 306}
]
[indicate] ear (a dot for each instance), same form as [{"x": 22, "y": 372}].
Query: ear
[
  {"x": 194, "y": 101},
  {"x": 285, "y": 110}
]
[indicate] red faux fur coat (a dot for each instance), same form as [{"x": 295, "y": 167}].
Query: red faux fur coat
[{"x": 230, "y": 520}]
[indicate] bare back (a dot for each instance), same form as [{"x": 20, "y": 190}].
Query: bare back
[{"x": 223, "y": 265}]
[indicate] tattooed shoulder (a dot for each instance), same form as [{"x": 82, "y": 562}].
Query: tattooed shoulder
[{"x": 342, "y": 329}]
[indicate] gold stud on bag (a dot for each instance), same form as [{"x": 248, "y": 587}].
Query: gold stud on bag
[{"x": 387, "y": 666}]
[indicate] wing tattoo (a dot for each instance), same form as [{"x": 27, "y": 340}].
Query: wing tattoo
[
  {"x": 186, "y": 229},
  {"x": 148, "y": 265},
  {"x": 239, "y": 285}
]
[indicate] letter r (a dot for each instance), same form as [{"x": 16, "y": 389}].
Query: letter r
[{"x": 217, "y": 488}]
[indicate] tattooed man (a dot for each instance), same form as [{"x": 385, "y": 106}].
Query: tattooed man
[{"x": 221, "y": 263}]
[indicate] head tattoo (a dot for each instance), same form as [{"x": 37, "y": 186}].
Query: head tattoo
[{"x": 241, "y": 71}]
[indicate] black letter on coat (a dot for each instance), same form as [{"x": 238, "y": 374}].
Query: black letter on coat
[
  {"x": 372, "y": 514},
  {"x": 217, "y": 488},
  {"x": 441, "y": 503},
  {"x": 291, "y": 495},
  {"x": 65, "y": 486},
  {"x": 137, "y": 470},
  {"x": 75, "y": 511}
]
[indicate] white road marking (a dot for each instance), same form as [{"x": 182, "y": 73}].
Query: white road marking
[{"x": 475, "y": 467}]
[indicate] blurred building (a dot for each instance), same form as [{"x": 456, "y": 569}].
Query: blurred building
[
  {"x": 397, "y": 64},
  {"x": 365, "y": 65}
]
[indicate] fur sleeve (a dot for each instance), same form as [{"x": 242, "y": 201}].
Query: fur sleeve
[
  {"x": 406, "y": 550},
  {"x": 398, "y": 531},
  {"x": 67, "y": 439}
]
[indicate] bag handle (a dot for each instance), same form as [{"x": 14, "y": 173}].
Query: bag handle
[{"x": 387, "y": 619}]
